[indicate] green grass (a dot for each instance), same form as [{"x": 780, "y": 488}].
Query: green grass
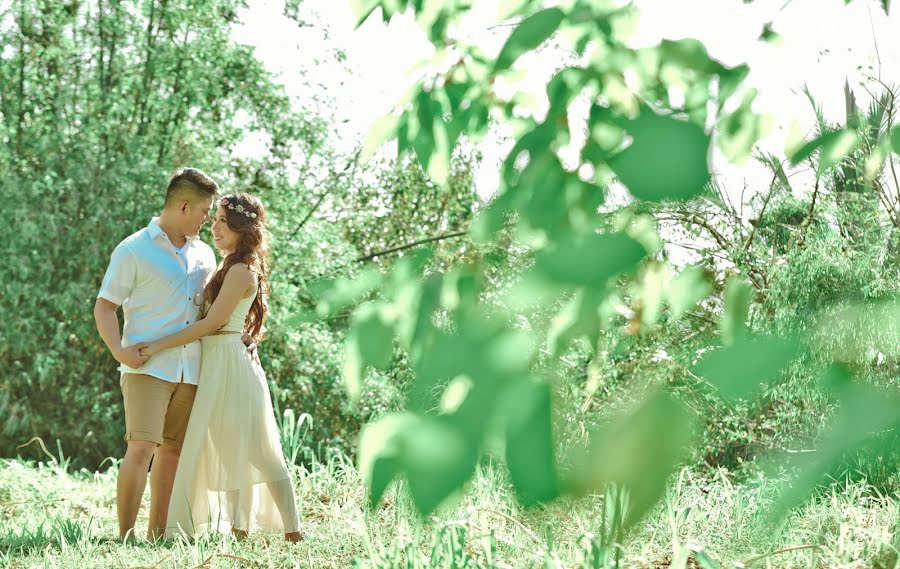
[{"x": 50, "y": 517}]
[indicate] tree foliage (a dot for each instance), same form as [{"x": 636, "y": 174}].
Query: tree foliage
[{"x": 648, "y": 130}]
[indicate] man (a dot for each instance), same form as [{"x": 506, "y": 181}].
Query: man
[{"x": 157, "y": 276}]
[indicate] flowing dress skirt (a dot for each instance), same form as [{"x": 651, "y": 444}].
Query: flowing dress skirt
[{"x": 232, "y": 473}]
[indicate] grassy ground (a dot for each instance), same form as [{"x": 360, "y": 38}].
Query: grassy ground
[{"x": 50, "y": 517}]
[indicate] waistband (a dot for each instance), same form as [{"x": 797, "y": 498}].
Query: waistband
[{"x": 233, "y": 338}]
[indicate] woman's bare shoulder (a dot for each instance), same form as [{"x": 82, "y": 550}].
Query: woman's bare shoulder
[{"x": 241, "y": 273}]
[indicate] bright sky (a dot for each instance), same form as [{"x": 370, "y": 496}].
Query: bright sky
[{"x": 824, "y": 43}]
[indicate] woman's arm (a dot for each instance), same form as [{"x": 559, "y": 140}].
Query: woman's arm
[{"x": 237, "y": 281}]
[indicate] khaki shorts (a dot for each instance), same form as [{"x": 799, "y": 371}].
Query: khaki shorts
[{"x": 156, "y": 410}]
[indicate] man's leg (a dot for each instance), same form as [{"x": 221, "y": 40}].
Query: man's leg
[
  {"x": 146, "y": 399},
  {"x": 162, "y": 477},
  {"x": 131, "y": 483},
  {"x": 165, "y": 463}
]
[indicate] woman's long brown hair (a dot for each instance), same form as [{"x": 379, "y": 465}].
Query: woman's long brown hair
[{"x": 252, "y": 249}]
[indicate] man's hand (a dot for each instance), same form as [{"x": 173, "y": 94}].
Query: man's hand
[
  {"x": 249, "y": 342},
  {"x": 251, "y": 348},
  {"x": 131, "y": 356}
]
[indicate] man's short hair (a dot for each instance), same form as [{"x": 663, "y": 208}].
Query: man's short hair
[{"x": 190, "y": 184}]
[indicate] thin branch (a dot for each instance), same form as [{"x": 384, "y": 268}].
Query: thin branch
[
  {"x": 514, "y": 521},
  {"x": 885, "y": 199},
  {"x": 4, "y": 504},
  {"x": 353, "y": 162},
  {"x": 890, "y": 124},
  {"x": 812, "y": 207},
  {"x": 410, "y": 245},
  {"x": 874, "y": 41},
  {"x": 310, "y": 214},
  {"x": 753, "y": 560},
  {"x": 763, "y": 210},
  {"x": 720, "y": 239}
]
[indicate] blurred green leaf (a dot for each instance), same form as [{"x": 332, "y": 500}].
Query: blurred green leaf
[
  {"x": 874, "y": 163},
  {"x": 692, "y": 285},
  {"x": 652, "y": 291},
  {"x": 455, "y": 393},
  {"x": 380, "y": 452},
  {"x": 439, "y": 165},
  {"x": 345, "y": 292},
  {"x": 535, "y": 142},
  {"x": 432, "y": 16},
  {"x": 769, "y": 35},
  {"x": 638, "y": 450},
  {"x": 415, "y": 302},
  {"x": 448, "y": 356},
  {"x": 530, "y": 449},
  {"x": 370, "y": 342},
  {"x": 667, "y": 158},
  {"x": 578, "y": 317},
  {"x": 383, "y": 129},
  {"x": 835, "y": 150},
  {"x": 589, "y": 261},
  {"x": 460, "y": 289},
  {"x": 528, "y": 35},
  {"x": 863, "y": 413},
  {"x": 409, "y": 268},
  {"x": 362, "y": 9},
  {"x": 730, "y": 80},
  {"x": 545, "y": 181},
  {"x": 438, "y": 459},
  {"x": 480, "y": 349},
  {"x": 733, "y": 325},
  {"x": 833, "y": 146},
  {"x": 431, "y": 452},
  {"x": 334, "y": 296},
  {"x": 375, "y": 335},
  {"x": 850, "y": 333},
  {"x": 492, "y": 217},
  {"x": 739, "y": 130},
  {"x": 885, "y": 5},
  {"x": 895, "y": 139},
  {"x": 739, "y": 371},
  {"x": 690, "y": 54},
  {"x": 642, "y": 228},
  {"x": 423, "y": 138}
]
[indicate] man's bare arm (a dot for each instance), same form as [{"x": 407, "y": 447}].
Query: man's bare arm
[{"x": 108, "y": 325}]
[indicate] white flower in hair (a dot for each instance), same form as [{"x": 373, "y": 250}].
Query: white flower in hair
[{"x": 239, "y": 208}]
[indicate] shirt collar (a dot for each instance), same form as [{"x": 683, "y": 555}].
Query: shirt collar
[
  {"x": 155, "y": 231},
  {"x": 154, "y": 228}
]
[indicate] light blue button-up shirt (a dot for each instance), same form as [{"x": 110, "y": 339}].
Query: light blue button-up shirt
[{"x": 160, "y": 289}]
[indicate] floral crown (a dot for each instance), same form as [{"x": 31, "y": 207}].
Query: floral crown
[{"x": 238, "y": 208}]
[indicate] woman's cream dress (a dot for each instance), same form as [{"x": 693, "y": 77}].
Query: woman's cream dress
[{"x": 232, "y": 473}]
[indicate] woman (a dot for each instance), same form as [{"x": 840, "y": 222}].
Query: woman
[{"x": 232, "y": 474}]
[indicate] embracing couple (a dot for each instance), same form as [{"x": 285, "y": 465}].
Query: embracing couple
[{"x": 196, "y": 399}]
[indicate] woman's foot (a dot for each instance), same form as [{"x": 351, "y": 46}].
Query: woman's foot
[{"x": 293, "y": 537}]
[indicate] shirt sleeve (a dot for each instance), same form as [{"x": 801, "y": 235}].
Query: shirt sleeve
[{"x": 118, "y": 282}]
